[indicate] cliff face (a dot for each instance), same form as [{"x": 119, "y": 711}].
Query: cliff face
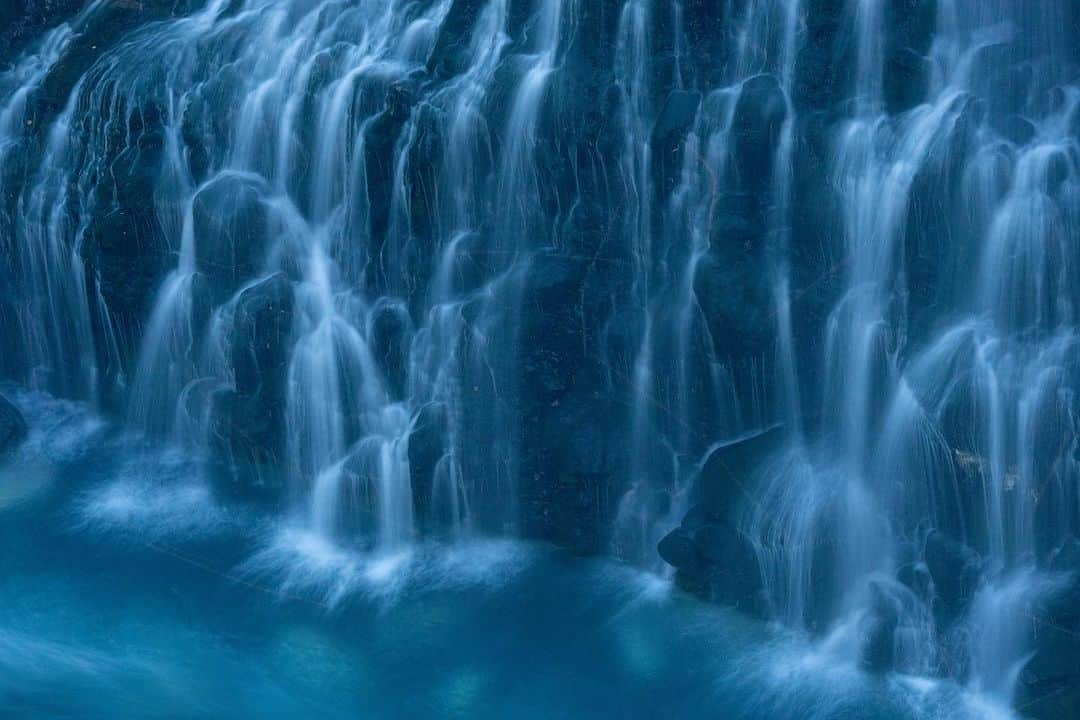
[{"x": 796, "y": 275}]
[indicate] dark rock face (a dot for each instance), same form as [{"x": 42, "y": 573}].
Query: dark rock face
[{"x": 12, "y": 426}]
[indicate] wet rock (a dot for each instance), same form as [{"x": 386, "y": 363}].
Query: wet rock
[
  {"x": 570, "y": 466},
  {"x": 13, "y": 428},
  {"x": 732, "y": 280},
  {"x": 1049, "y": 684},
  {"x": 916, "y": 576},
  {"x": 380, "y": 156},
  {"x": 96, "y": 34},
  {"x": 734, "y": 577},
  {"x": 705, "y": 22},
  {"x": 247, "y": 421},
  {"x": 910, "y": 24},
  {"x": 450, "y": 55},
  {"x": 1000, "y": 77},
  {"x": 955, "y": 570},
  {"x": 571, "y": 424},
  {"x": 423, "y": 175},
  {"x": 1066, "y": 558},
  {"x": 1015, "y": 129},
  {"x": 390, "y": 338},
  {"x": 905, "y": 80},
  {"x": 247, "y": 444},
  {"x": 22, "y": 22},
  {"x": 879, "y": 629},
  {"x": 759, "y": 116},
  {"x": 669, "y": 137},
  {"x": 825, "y": 59},
  {"x": 715, "y": 560},
  {"x": 679, "y": 549},
  {"x": 428, "y": 463},
  {"x": 127, "y": 250},
  {"x": 262, "y": 329},
  {"x": 725, "y": 483},
  {"x": 126, "y": 247},
  {"x": 230, "y": 222}
]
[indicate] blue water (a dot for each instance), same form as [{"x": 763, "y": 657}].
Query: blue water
[{"x": 129, "y": 590}]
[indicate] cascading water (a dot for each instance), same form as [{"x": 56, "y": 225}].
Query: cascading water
[
  {"x": 799, "y": 275},
  {"x": 955, "y": 323}
]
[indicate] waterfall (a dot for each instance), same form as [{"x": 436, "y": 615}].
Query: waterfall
[
  {"x": 903, "y": 393},
  {"x": 785, "y": 288}
]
